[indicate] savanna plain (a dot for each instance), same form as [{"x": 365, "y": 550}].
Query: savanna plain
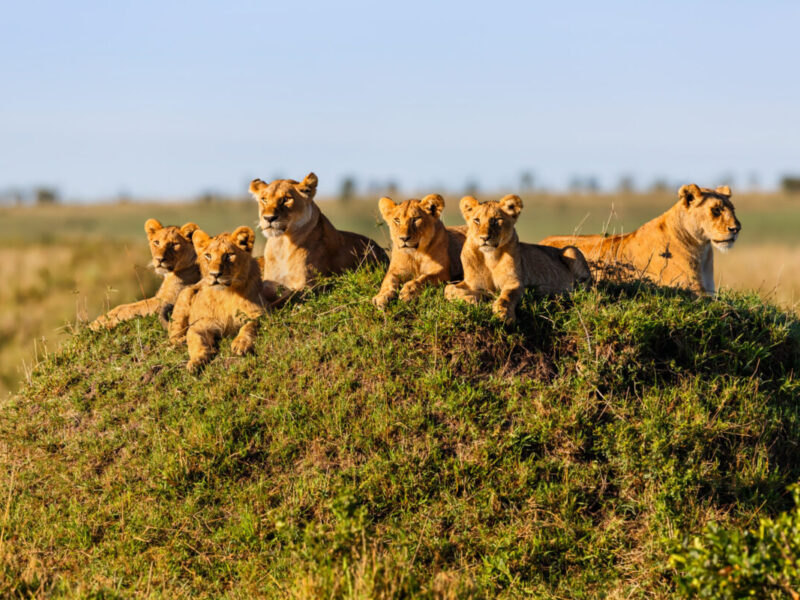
[{"x": 625, "y": 441}]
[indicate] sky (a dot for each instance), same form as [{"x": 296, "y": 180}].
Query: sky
[{"x": 173, "y": 99}]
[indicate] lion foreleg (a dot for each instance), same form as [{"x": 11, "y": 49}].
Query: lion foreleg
[{"x": 124, "y": 312}]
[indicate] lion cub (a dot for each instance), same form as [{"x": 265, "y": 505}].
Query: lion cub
[
  {"x": 226, "y": 301},
  {"x": 175, "y": 260},
  {"x": 424, "y": 251},
  {"x": 494, "y": 259},
  {"x": 301, "y": 242}
]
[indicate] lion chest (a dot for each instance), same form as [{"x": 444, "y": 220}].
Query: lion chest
[
  {"x": 285, "y": 264},
  {"x": 217, "y": 308}
]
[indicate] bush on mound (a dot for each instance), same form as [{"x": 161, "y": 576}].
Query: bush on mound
[{"x": 427, "y": 451}]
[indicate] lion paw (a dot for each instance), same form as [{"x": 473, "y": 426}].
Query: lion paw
[
  {"x": 241, "y": 346},
  {"x": 410, "y": 290},
  {"x": 382, "y": 300}
]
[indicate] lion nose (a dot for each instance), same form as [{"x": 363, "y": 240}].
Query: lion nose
[
  {"x": 269, "y": 218},
  {"x": 405, "y": 238},
  {"x": 735, "y": 229},
  {"x": 484, "y": 238},
  {"x": 215, "y": 274}
]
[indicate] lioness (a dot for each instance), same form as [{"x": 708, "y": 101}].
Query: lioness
[
  {"x": 301, "y": 242},
  {"x": 175, "y": 260},
  {"x": 226, "y": 301},
  {"x": 494, "y": 259},
  {"x": 672, "y": 249},
  {"x": 424, "y": 251}
]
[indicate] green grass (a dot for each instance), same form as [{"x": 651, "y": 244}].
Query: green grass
[{"x": 425, "y": 452}]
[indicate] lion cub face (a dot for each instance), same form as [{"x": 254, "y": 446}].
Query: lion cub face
[
  {"x": 284, "y": 204},
  {"x": 224, "y": 259},
  {"x": 171, "y": 247},
  {"x": 711, "y": 215},
  {"x": 491, "y": 224},
  {"x": 412, "y": 223}
]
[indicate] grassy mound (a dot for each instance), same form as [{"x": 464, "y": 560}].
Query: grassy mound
[{"x": 423, "y": 452}]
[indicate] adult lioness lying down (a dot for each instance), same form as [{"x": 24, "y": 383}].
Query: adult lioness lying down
[
  {"x": 301, "y": 242},
  {"x": 494, "y": 260},
  {"x": 672, "y": 249}
]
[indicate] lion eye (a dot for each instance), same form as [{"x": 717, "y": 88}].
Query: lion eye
[
  {"x": 397, "y": 221},
  {"x": 176, "y": 246},
  {"x": 156, "y": 243},
  {"x": 230, "y": 257},
  {"x": 418, "y": 220},
  {"x": 715, "y": 212},
  {"x": 477, "y": 221},
  {"x": 208, "y": 257}
]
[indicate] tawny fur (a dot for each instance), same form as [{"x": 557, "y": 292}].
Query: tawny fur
[
  {"x": 227, "y": 300},
  {"x": 302, "y": 244},
  {"x": 674, "y": 249},
  {"x": 494, "y": 260},
  {"x": 424, "y": 251},
  {"x": 175, "y": 260}
]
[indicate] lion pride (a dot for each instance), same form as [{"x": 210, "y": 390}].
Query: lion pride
[
  {"x": 424, "y": 251},
  {"x": 302, "y": 244},
  {"x": 494, "y": 259},
  {"x": 673, "y": 249},
  {"x": 227, "y": 301},
  {"x": 175, "y": 260}
]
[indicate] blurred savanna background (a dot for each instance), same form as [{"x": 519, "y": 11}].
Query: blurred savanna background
[
  {"x": 66, "y": 264},
  {"x": 595, "y": 115}
]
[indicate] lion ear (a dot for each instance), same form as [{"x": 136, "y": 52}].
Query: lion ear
[
  {"x": 689, "y": 193},
  {"x": 188, "y": 230},
  {"x": 433, "y": 204},
  {"x": 151, "y": 226},
  {"x": 511, "y": 205},
  {"x": 724, "y": 190},
  {"x": 386, "y": 205},
  {"x": 256, "y": 186},
  {"x": 244, "y": 238},
  {"x": 200, "y": 240},
  {"x": 309, "y": 185},
  {"x": 467, "y": 205}
]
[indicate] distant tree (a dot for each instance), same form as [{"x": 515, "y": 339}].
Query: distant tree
[
  {"x": 45, "y": 195},
  {"x": 207, "y": 197},
  {"x": 392, "y": 187},
  {"x": 526, "y": 181},
  {"x": 592, "y": 185},
  {"x": 790, "y": 184},
  {"x": 471, "y": 188},
  {"x": 625, "y": 185},
  {"x": 659, "y": 186},
  {"x": 753, "y": 181},
  {"x": 347, "y": 190},
  {"x": 575, "y": 184}
]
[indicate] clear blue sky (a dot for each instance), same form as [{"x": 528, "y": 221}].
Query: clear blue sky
[{"x": 173, "y": 98}]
